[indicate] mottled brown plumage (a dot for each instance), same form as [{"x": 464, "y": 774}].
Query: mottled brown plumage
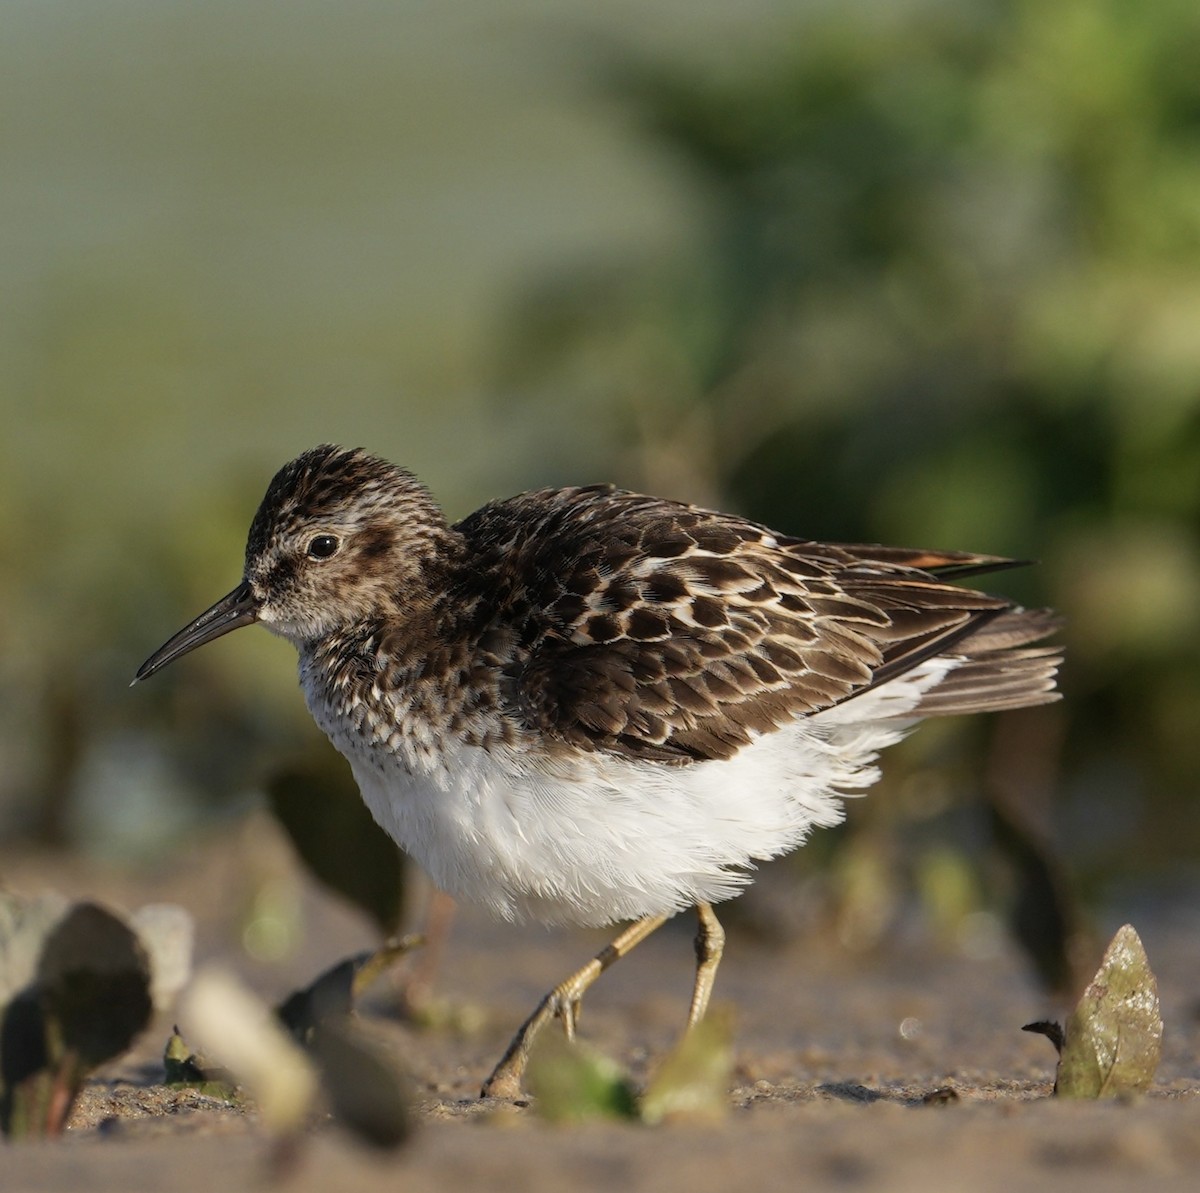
[{"x": 657, "y": 630}]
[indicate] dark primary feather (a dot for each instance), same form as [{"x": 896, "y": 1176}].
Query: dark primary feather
[{"x": 656, "y": 630}]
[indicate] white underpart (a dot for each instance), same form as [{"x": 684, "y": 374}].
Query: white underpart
[{"x": 596, "y": 839}]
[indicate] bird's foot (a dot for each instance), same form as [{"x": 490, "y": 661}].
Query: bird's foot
[{"x": 563, "y": 1003}]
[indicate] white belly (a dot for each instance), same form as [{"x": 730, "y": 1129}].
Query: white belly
[{"x": 594, "y": 839}]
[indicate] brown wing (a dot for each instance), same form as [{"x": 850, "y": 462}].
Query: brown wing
[{"x": 666, "y": 632}]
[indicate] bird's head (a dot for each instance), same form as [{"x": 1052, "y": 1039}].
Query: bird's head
[{"x": 340, "y": 537}]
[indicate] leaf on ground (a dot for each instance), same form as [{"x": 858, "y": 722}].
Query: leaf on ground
[
  {"x": 369, "y": 1095},
  {"x": 87, "y": 1003},
  {"x": 335, "y": 992},
  {"x": 185, "y": 1069},
  {"x": 1114, "y": 1035},
  {"x": 322, "y": 812},
  {"x": 572, "y": 1084},
  {"x": 693, "y": 1081},
  {"x": 240, "y": 1032},
  {"x": 94, "y": 984}
]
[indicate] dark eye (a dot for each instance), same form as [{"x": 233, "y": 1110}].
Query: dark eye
[{"x": 323, "y": 546}]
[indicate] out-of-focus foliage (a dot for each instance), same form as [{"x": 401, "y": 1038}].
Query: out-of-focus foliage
[
  {"x": 75, "y": 991},
  {"x": 692, "y": 1083},
  {"x": 287, "y": 1066},
  {"x": 318, "y": 804},
  {"x": 572, "y": 1083},
  {"x": 337, "y": 991},
  {"x": 935, "y": 279},
  {"x": 239, "y": 1031},
  {"x": 948, "y": 295}
]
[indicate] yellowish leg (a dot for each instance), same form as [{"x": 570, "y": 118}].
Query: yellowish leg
[
  {"x": 563, "y": 1001},
  {"x": 710, "y": 944}
]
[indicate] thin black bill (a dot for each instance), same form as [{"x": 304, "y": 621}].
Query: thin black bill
[{"x": 236, "y": 609}]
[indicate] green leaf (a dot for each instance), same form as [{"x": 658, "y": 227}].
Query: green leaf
[
  {"x": 572, "y": 1084},
  {"x": 1114, "y": 1035},
  {"x": 693, "y": 1081}
]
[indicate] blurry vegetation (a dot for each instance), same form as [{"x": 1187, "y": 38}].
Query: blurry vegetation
[
  {"x": 309, "y": 1054},
  {"x": 573, "y": 1083},
  {"x": 336, "y": 992},
  {"x": 78, "y": 984},
  {"x": 317, "y": 802},
  {"x": 943, "y": 290},
  {"x": 692, "y": 1083}
]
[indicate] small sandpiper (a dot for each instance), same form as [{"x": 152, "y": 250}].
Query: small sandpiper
[{"x": 590, "y": 706}]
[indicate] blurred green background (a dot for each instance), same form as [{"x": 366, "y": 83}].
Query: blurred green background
[{"x": 924, "y": 273}]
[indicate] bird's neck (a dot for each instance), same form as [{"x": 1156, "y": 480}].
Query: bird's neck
[
  {"x": 419, "y": 618},
  {"x": 384, "y": 679}
]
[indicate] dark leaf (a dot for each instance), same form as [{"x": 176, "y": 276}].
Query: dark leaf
[
  {"x": 25, "y": 1074},
  {"x": 368, "y": 1095},
  {"x": 1044, "y": 916},
  {"x": 89, "y": 1000},
  {"x": 319, "y": 806},
  {"x": 334, "y": 993},
  {"x": 94, "y": 985}
]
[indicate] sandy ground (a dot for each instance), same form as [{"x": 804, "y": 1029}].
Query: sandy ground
[{"x": 829, "y": 1091}]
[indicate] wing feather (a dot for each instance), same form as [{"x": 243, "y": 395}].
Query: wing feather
[{"x": 656, "y": 630}]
